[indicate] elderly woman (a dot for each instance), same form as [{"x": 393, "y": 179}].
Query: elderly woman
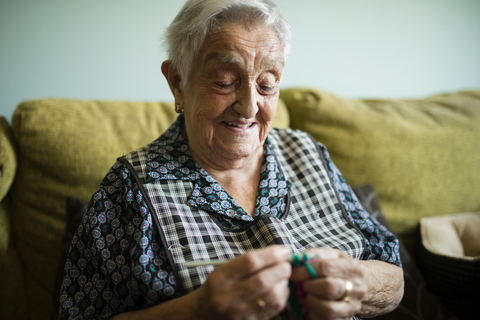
[{"x": 220, "y": 183}]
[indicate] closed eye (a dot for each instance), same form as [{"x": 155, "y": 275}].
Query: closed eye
[
  {"x": 224, "y": 85},
  {"x": 266, "y": 90}
]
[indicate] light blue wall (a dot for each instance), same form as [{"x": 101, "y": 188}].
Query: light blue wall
[{"x": 110, "y": 49}]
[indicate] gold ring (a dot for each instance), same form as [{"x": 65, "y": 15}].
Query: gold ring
[
  {"x": 348, "y": 290},
  {"x": 261, "y": 303}
]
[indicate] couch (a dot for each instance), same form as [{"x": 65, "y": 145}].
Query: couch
[{"x": 408, "y": 159}]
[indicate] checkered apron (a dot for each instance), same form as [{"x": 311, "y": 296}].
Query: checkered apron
[{"x": 314, "y": 218}]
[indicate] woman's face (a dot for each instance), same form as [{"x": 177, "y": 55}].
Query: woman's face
[{"x": 231, "y": 99}]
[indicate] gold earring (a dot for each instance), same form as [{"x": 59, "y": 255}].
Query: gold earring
[{"x": 178, "y": 109}]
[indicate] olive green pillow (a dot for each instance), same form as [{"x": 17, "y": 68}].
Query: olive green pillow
[
  {"x": 8, "y": 167},
  {"x": 12, "y": 285},
  {"x": 421, "y": 155},
  {"x": 8, "y": 158},
  {"x": 282, "y": 118},
  {"x": 65, "y": 148}
]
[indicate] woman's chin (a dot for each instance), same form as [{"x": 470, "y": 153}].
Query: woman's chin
[{"x": 237, "y": 151}]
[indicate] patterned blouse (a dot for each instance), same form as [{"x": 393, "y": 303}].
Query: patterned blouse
[{"x": 117, "y": 262}]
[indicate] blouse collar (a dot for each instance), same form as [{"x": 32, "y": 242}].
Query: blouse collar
[{"x": 169, "y": 158}]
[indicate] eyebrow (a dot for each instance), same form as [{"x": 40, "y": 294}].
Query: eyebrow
[
  {"x": 231, "y": 60},
  {"x": 223, "y": 58}
]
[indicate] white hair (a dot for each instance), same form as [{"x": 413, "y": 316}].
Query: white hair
[{"x": 185, "y": 37}]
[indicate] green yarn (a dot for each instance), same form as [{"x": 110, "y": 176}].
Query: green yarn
[{"x": 297, "y": 294}]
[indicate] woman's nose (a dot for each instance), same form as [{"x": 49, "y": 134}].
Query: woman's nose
[{"x": 247, "y": 103}]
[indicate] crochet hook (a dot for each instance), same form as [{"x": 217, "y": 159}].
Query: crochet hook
[{"x": 294, "y": 259}]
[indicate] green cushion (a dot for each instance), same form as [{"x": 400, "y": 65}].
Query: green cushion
[
  {"x": 422, "y": 156},
  {"x": 8, "y": 159},
  {"x": 8, "y": 167},
  {"x": 12, "y": 288},
  {"x": 282, "y": 118},
  {"x": 65, "y": 149}
]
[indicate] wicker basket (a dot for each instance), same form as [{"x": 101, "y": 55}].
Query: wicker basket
[{"x": 448, "y": 255}]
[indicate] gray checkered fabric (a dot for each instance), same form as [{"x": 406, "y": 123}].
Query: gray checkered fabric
[
  {"x": 313, "y": 197},
  {"x": 314, "y": 217}
]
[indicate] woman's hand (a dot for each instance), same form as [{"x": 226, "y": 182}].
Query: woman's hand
[
  {"x": 324, "y": 295},
  {"x": 251, "y": 286},
  {"x": 377, "y": 287},
  {"x": 385, "y": 288}
]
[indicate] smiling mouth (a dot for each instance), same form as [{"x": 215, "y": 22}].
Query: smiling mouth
[{"x": 236, "y": 125}]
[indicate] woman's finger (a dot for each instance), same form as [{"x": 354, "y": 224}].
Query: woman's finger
[
  {"x": 327, "y": 309},
  {"x": 253, "y": 261},
  {"x": 331, "y": 288},
  {"x": 264, "y": 281},
  {"x": 326, "y": 288},
  {"x": 274, "y": 301},
  {"x": 346, "y": 267}
]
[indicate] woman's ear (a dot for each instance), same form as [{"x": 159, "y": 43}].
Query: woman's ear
[{"x": 173, "y": 79}]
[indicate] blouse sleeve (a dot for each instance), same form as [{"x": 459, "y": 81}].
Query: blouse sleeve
[
  {"x": 381, "y": 244},
  {"x": 116, "y": 262}
]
